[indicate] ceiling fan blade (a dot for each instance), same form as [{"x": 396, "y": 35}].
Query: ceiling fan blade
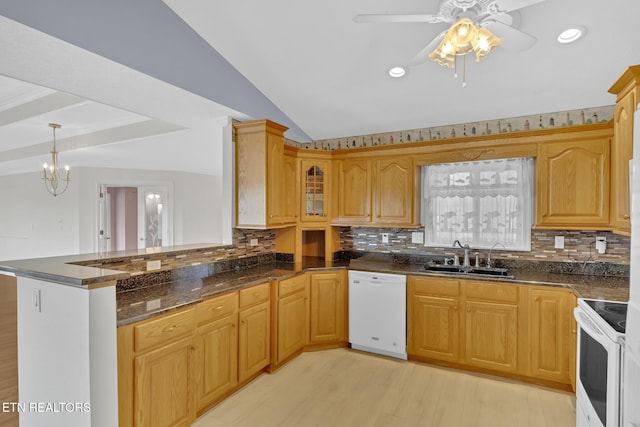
[
  {"x": 513, "y": 39},
  {"x": 504, "y": 6},
  {"x": 423, "y": 55},
  {"x": 385, "y": 18}
]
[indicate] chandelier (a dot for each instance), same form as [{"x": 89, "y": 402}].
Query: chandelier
[
  {"x": 462, "y": 38},
  {"x": 51, "y": 176}
]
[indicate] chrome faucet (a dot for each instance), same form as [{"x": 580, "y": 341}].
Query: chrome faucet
[
  {"x": 489, "y": 259},
  {"x": 466, "y": 262}
]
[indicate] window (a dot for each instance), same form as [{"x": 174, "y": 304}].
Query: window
[{"x": 480, "y": 203}]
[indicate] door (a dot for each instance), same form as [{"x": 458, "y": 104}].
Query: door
[
  {"x": 327, "y": 311},
  {"x": 491, "y": 331},
  {"x": 435, "y": 326},
  {"x": 291, "y": 324},
  {"x": 216, "y": 360},
  {"x": 163, "y": 384},
  {"x": 253, "y": 344},
  {"x": 393, "y": 195},
  {"x": 153, "y": 221}
]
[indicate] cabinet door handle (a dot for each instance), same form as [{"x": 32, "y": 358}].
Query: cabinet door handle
[
  {"x": 536, "y": 298},
  {"x": 625, "y": 216}
]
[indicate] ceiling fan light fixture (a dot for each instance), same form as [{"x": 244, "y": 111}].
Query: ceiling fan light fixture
[
  {"x": 462, "y": 38},
  {"x": 571, "y": 34},
  {"x": 397, "y": 72}
]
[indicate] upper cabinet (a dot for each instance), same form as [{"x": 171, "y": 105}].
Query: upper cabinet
[
  {"x": 315, "y": 184},
  {"x": 627, "y": 89},
  {"x": 354, "y": 191},
  {"x": 393, "y": 195},
  {"x": 378, "y": 191},
  {"x": 264, "y": 176},
  {"x": 572, "y": 188}
]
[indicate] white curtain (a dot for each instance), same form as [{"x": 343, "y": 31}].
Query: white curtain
[{"x": 480, "y": 203}]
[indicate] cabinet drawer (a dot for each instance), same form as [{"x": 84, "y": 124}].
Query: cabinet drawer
[
  {"x": 216, "y": 308},
  {"x": 164, "y": 329},
  {"x": 491, "y": 291},
  {"x": 292, "y": 285},
  {"x": 254, "y": 295},
  {"x": 448, "y": 287}
]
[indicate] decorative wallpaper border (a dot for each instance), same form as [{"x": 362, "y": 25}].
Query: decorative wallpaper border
[{"x": 505, "y": 125}]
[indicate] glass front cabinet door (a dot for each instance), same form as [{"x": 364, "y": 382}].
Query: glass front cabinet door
[{"x": 314, "y": 190}]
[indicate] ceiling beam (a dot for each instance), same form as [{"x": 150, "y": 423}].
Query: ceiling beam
[{"x": 37, "y": 107}]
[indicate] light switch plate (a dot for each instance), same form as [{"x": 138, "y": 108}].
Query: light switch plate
[
  {"x": 559, "y": 244},
  {"x": 417, "y": 237},
  {"x": 385, "y": 237},
  {"x": 153, "y": 304},
  {"x": 253, "y": 242}
]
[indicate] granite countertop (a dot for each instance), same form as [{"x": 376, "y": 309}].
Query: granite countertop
[
  {"x": 139, "y": 304},
  {"x": 585, "y": 286},
  {"x": 75, "y": 270}
]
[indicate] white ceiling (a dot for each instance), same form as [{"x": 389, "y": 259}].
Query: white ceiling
[
  {"x": 322, "y": 70},
  {"x": 329, "y": 74}
]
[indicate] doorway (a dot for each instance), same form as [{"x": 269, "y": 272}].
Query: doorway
[{"x": 133, "y": 217}]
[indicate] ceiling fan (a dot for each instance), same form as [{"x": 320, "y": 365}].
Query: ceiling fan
[{"x": 498, "y": 16}]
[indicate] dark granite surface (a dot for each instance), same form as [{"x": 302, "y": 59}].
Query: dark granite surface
[
  {"x": 148, "y": 301},
  {"x": 76, "y": 270}
]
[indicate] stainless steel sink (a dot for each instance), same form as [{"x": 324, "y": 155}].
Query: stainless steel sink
[{"x": 469, "y": 271}]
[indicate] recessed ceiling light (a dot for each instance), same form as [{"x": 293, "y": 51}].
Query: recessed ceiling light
[
  {"x": 396, "y": 72},
  {"x": 571, "y": 34}
]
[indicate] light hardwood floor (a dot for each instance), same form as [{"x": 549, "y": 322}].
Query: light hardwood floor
[{"x": 348, "y": 388}]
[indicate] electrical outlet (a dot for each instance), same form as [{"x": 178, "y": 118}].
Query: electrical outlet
[
  {"x": 385, "y": 237},
  {"x": 153, "y": 304},
  {"x": 601, "y": 244},
  {"x": 417, "y": 237},
  {"x": 559, "y": 242},
  {"x": 154, "y": 265},
  {"x": 253, "y": 242}
]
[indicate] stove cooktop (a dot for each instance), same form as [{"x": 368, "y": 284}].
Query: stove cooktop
[{"x": 613, "y": 312}]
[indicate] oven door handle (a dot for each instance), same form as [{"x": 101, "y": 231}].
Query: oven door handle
[{"x": 591, "y": 328}]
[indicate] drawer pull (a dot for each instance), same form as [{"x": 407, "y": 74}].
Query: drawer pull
[
  {"x": 257, "y": 294},
  {"x": 169, "y": 328},
  {"x": 220, "y": 307}
]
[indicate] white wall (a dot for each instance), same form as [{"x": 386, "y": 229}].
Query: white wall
[
  {"x": 35, "y": 224},
  {"x": 67, "y": 354}
]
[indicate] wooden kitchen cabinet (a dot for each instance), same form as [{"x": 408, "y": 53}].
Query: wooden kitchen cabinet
[
  {"x": 378, "y": 191},
  {"x": 433, "y": 318},
  {"x": 156, "y": 371},
  {"x": 315, "y": 194},
  {"x": 627, "y": 89},
  {"x": 551, "y": 327},
  {"x": 263, "y": 176},
  {"x": 491, "y": 325},
  {"x": 290, "y": 185},
  {"x": 573, "y": 184},
  {"x": 328, "y": 307},
  {"x": 292, "y": 314},
  {"x": 254, "y": 331},
  {"x": 354, "y": 191},
  {"x": 216, "y": 349},
  {"x": 394, "y": 191}
]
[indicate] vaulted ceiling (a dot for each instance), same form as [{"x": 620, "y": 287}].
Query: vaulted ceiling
[{"x": 119, "y": 74}]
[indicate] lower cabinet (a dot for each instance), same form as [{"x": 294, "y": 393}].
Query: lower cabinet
[
  {"x": 156, "y": 371},
  {"x": 552, "y": 333},
  {"x": 216, "y": 349},
  {"x": 176, "y": 365},
  {"x": 520, "y": 330},
  {"x": 292, "y": 307},
  {"x": 491, "y": 325},
  {"x": 254, "y": 332},
  {"x": 433, "y": 302},
  {"x": 163, "y": 384},
  {"x": 328, "y": 308}
]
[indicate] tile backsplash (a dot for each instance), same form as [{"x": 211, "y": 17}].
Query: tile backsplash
[{"x": 579, "y": 245}]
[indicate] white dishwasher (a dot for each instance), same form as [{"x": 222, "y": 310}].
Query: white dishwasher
[{"x": 378, "y": 313}]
